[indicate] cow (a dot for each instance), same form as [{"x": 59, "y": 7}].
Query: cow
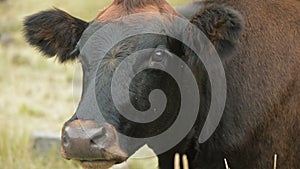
[{"x": 258, "y": 45}]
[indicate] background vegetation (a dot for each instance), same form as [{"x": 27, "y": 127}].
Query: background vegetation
[{"x": 36, "y": 94}]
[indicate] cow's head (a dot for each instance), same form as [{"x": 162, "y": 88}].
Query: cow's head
[{"x": 92, "y": 135}]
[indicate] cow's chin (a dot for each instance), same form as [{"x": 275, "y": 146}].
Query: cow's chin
[
  {"x": 97, "y": 164},
  {"x": 101, "y": 164}
]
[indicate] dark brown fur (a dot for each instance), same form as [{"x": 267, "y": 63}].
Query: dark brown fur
[
  {"x": 264, "y": 86},
  {"x": 54, "y": 32}
]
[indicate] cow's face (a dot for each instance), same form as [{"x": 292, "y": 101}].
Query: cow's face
[
  {"x": 130, "y": 68},
  {"x": 135, "y": 57}
]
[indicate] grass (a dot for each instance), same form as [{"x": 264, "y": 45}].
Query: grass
[
  {"x": 36, "y": 94},
  {"x": 16, "y": 152}
]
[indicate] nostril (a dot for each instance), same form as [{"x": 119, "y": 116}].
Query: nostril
[
  {"x": 98, "y": 137},
  {"x": 66, "y": 139}
]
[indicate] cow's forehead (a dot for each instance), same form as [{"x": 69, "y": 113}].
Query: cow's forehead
[
  {"x": 119, "y": 9},
  {"x": 111, "y": 32},
  {"x": 114, "y": 38}
]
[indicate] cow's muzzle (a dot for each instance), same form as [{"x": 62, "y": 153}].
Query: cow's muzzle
[{"x": 92, "y": 144}]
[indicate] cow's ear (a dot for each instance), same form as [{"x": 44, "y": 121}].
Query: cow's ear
[
  {"x": 54, "y": 33},
  {"x": 222, "y": 25}
]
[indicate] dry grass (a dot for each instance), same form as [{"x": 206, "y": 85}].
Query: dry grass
[
  {"x": 36, "y": 94},
  {"x": 275, "y": 161},
  {"x": 185, "y": 162},
  {"x": 226, "y": 164}
]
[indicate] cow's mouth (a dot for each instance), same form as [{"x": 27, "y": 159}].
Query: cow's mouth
[
  {"x": 144, "y": 157},
  {"x": 103, "y": 164}
]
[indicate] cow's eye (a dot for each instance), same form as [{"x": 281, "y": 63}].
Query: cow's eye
[
  {"x": 158, "y": 55},
  {"x": 160, "y": 50}
]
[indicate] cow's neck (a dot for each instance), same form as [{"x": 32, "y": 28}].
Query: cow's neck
[
  {"x": 265, "y": 11},
  {"x": 247, "y": 4}
]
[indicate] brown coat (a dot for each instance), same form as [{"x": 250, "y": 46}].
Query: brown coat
[{"x": 264, "y": 85}]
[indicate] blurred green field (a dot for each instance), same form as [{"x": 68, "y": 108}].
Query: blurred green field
[{"x": 36, "y": 94}]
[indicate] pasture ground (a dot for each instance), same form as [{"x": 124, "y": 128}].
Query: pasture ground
[{"x": 36, "y": 94}]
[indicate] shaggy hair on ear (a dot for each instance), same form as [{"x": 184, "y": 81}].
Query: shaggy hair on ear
[
  {"x": 54, "y": 32},
  {"x": 222, "y": 25}
]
